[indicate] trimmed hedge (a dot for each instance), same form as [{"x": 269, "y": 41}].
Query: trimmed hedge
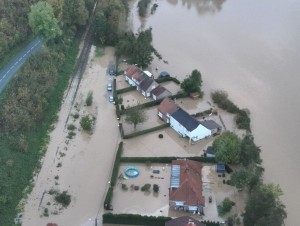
[
  {"x": 108, "y": 198},
  {"x": 114, "y": 174},
  {"x": 134, "y": 219},
  {"x": 167, "y": 79},
  {"x": 121, "y": 129},
  {"x": 125, "y": 90},
  {"x": 157, "y": 102},
  {"x": 164, "y": 159},
  {"x": 139, "y": 133}
]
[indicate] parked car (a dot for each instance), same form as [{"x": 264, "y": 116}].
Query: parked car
[
  {"x": 111, "y": 99},
  {"x": 109, "y": 87}
]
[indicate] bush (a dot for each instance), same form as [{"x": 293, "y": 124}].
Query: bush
[
  {"x": 124, "y": 187},
  {"x": 86, "y": 123},
  {"x": 89, "y": 98},
  {"x": 76, "y": 115},
  {"x": 139, "y": 133},
  {"x": 46, "y": 212},
  {"x": 71, "y": 127},
  {"x": 225, "y": 207},
  {"x": 71, "y": 134},
  {"x": 155, "y": 188},
  {"x": 160, "y": 136},
  {"x": 146, "y": 187},
  {"x": 63, "y": 198}
]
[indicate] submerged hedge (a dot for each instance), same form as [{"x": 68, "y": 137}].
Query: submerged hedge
[
  {"x": 114, "y": 174},
  {"x": 134, "y": 219},
  {"x": 139, "y": 133},
  {"x": 168, "y": 159},
  {"x": 167, "y": 79}
]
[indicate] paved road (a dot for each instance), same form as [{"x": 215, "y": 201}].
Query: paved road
[{"x": 14, "y": 65}]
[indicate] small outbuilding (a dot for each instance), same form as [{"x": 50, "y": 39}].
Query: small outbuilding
[
  {"x": 214, "y": 127},
  {"x": 220, "y": 168}
]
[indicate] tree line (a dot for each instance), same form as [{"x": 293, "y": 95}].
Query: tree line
[{"x": 30, "y": 102}]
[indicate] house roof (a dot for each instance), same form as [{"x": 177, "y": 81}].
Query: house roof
[
  {"x": 167, "y": 106},
  {"x": 131, "y": 70},
  {"x": 185, "y": 119},
  {"x": 139, "y": 76},
  {"x": 190, "y": 183},
  {"x": 159, "y": 90},
  {"x": 210, "y": 124},
  {"x": 184, "y": 221},
  {"x": 146, "y": 83}
]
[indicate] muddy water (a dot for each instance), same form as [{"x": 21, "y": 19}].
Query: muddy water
[{"x": 250, "y": 49}]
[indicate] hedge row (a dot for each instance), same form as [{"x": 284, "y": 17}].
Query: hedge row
[
  {"x": 114, "y": 174},
  {"x": 108, "y": 198},
  {"x": 139, "y": 133},
  {"x": 167, "y": 79},
  {"x": 164, "y": 159},
  {"x": 125, "y": 90},
  {"x": 242, "y": 119},
  {"x": 134, "y": 219},
  {"x": 157, "y": 102}
]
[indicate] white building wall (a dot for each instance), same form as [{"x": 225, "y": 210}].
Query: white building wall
[
  {"x": 178, "y": 127},
  {"x": 197, "y": 134}
]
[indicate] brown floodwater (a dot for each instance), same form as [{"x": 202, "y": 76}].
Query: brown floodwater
[{"x": 250, "y": 49}]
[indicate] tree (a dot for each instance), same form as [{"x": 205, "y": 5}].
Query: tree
[
  {"x": 143, "y": 51},
  {"x": 250, "y": 153},
  {"x": 9, "y": 164},
  {"x": 225, "y": 207},
  {"x": 135, "y": 115},
  {"x": 89, "y": 98},
  {"x": 86, "y": 123},
  {"x": 42, "y": 21},
  {"x": 227, "y": 148},
  {"x": 74, "y": 13},
  {"x": 264, "y": 207},
  {"x": 192, "y": 83},
  {"x": 241, "y": 179}
]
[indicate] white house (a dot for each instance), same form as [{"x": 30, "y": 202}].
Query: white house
[{"x": 187, "y": 126}]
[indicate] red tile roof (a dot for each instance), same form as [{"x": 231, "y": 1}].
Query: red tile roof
[
  {"x": 190, "y": 184},
  {"x": 159, "y": 90},
  {"x": 131, "y": 70},
  {"x": 167, "y": 106}
]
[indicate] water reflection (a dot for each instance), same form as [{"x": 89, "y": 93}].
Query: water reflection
[{"x": 202, "y": 6}]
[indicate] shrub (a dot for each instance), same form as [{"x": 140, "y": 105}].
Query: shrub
[
  {"x": 225, "y": 207},
  {"x": 71, "y": 127},
  {"x": 71, "y": 134},
  {"x": 56, "y": 177},
  {"x": 86, "y": 123},
  {"x": 155, "y": 188},
  {"x": 136, "y": 187},
  {"x": 63, "y": 198},
  {"x": 89, "y": 98},
  {"x": 76, "y": 115},
  {"x": 46, "y": 212},
  {"x": 124, "y": 187},
  {"x": 160, "y": 136},
  {"x": 146, "y": 187}
]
